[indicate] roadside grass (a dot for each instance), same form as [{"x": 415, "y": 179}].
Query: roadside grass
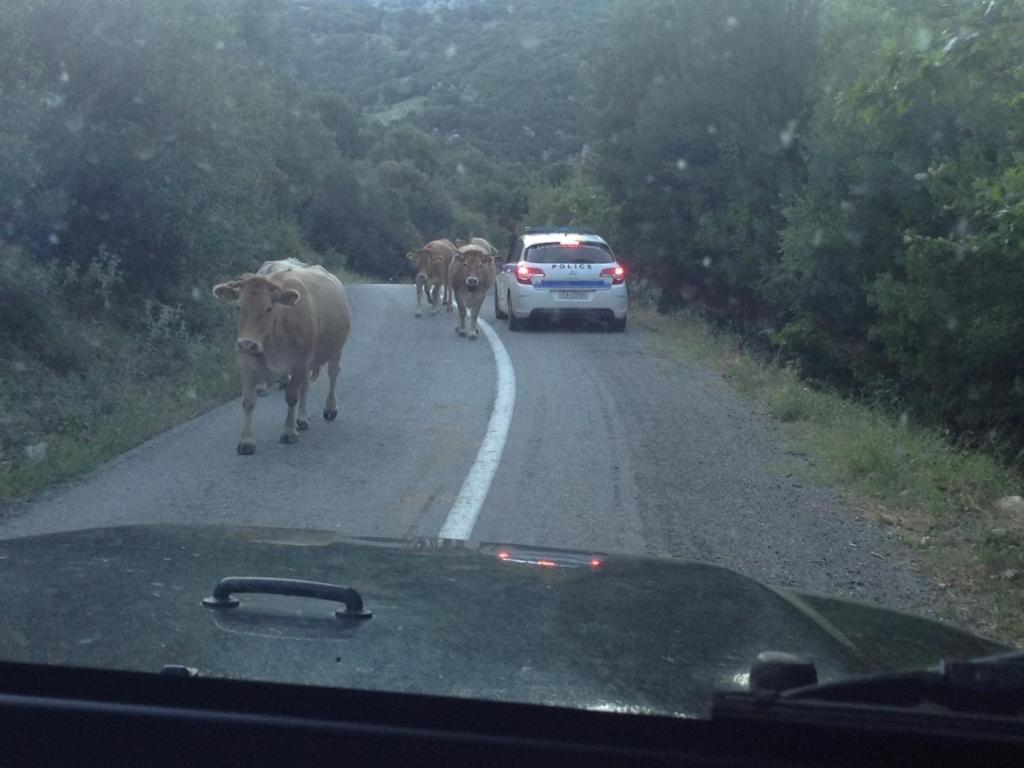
[
  {"x": 114, "y": 406},
  {"x": 347, "y": 276},
  {"x": 937, "y": 497}
]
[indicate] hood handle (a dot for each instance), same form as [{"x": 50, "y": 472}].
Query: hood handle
[{"x": 235, "y": 585}]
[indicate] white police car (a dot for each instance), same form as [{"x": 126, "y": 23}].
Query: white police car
[{"x": 558, "y": 272}]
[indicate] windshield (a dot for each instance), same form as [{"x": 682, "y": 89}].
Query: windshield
[
  {"x": 287, "y": 281},
  {"x": 568, "y": 254}
]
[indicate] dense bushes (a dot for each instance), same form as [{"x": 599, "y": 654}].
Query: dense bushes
[{"x": 845, "y": 176}]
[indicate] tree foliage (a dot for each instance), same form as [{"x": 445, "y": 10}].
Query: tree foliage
[{"x": 697, "y": 110}]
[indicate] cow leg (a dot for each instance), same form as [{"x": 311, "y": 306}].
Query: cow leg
[
  {"x": 247, "y": 441},
  {"x": 460, "y": 329},
  {"x": 250, "y": 374},
  {"x": 473, "y": 312},
  {"x": 302, "y": 421},
  {"x": 419, "y": 296},
  {"x": 291, "y": 397},
  {"x": 435, "y": 295},
  {"x": 331, "y": 406}
]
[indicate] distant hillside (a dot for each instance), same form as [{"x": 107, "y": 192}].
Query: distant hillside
[{"x": 505, "y": 76}]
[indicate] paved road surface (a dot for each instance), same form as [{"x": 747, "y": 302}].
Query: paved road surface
[{"x": 611, "y": 447}]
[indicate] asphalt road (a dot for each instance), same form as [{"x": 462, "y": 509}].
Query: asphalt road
[{"x": 611, "y": 447}]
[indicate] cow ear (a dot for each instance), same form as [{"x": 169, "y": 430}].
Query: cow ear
[
  {"x": 228, "y": 291},
  {"x": 411, "y": 256},
  {"x": 287, "y": 296}
]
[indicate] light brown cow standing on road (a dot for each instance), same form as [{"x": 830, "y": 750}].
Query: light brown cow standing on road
[
  {"x": 472, "y": 275},
  {"x": 432, "y": 263},
  {"x": 290, "y": 322}
]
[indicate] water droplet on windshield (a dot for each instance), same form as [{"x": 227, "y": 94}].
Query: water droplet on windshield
[
  {"x": 788, "y": 133},
  {"x": 923, "y": 39},
  {"x": 37, "y": 451},
  {"x": 731, "y": 23},
  {"x": 145, "y": 154},
  {"x": 529, "y": 43},
  {"x": 450, "y": 51},
  {"x": 681, "y": 164}
]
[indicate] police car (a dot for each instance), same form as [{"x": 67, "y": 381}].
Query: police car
[{"x": 557, "y": 272}]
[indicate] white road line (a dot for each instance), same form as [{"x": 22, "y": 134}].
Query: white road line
[{"x": 466, "y": 509}]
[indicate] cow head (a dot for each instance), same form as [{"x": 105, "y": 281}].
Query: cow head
[
  {"x": 426, "y": 260},
  {"x": 258, "y": 300},
  {"x": 476, "y": 265}
]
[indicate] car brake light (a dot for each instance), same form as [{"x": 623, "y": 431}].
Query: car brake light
[
  {"x": 616, "y": 273},
  {"x": 572, "y": 244},
  {"x": 525, "y": 274}
]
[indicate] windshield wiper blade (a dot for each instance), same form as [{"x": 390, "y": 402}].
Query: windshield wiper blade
[{"x": 992, "y": 685}]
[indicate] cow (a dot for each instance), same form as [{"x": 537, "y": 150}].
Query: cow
[
  {"x": 432, "y": 262},
  {"x": 472, "y": 274},
  {"x": 290, "y": 322}
]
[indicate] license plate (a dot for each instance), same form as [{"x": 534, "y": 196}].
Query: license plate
[{"x": 574, "y": 295}]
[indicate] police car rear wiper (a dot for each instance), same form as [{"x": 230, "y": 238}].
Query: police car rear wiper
[{"x": 991, "y": 685}]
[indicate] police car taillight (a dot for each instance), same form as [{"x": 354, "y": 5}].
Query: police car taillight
[
  {"x": 616, "y": 273},
  {"x": 525, "y": 274}
]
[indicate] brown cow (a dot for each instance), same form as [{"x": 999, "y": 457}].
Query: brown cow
[
  {"x": 432, "y": 263},
  {"x": 290, "y": 322},
  {"x": 472, "y": 274}
]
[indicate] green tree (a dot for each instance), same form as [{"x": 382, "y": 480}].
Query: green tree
[{"x": 696, "y": 118}]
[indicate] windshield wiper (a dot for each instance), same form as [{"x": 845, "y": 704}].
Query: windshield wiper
[
  {"x": 991, "y": 685},
  {"x": 994, "y": 685}
]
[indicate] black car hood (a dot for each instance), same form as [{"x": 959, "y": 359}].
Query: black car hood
[{"x": 449, "y": 618}]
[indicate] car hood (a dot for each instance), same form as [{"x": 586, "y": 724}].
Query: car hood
[{"x": 476, "y": 620}]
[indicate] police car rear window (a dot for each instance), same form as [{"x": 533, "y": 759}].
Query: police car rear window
[{"x": 557, "y": 253}]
